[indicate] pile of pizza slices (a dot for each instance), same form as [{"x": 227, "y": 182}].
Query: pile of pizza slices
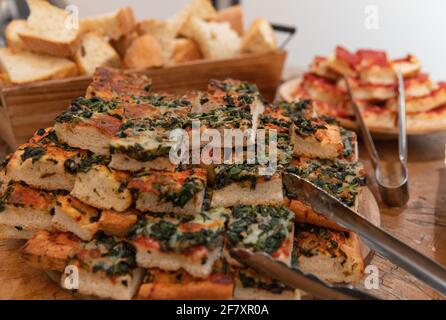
[
  {"x": 99, "y": 202},
  {"x": 372, "y": 76}
]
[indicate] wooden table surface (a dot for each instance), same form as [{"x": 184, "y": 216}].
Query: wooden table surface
[{"x": 421, "y": 224}]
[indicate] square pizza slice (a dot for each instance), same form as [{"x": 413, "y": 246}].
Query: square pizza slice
[
  {"x": 171, "y": 242},
  {"x": 320, "y": 67},
  {"x": 434, "y": 99},
  {"x": 144, "y": 144},
  {"x": 315, "y": 138},
  {"x": 102, "y": 187},
  {"x": 75, "y": 216},
  {"x": 341, "y": 179},
  {"x": 260, "y": 228},
  {"x": 89, "y": 124},
  {"x": 50, "y": 251},
  {"x": 333, "y": 256},
  {"x": 24, "y": 209},
  {"x": 250, "y": 285},
  {"x": 322, "y": 89},
  {"x": 44, "y": 162},
  {"x": 110, "y": 84},
  {"x": 235, "y": 184},
  {"x": 343, "y": 62},
  {"x": 374, "y": 67},
  {"x": 409, "y": 66},
  {"x": 106, "y": 268},
  {"x": 180, "y": 192},
  {"x": 179, "y": 285}
]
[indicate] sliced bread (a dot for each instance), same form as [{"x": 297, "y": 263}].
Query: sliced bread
[
  {"x": 25, "y": 67},
  {"x": 259, "y": 38},
  {"x": 113, "y": 25},
  {"x": 12, "y": 34},
  {"x": 48, "y": 32},
  {"x": 144, "y": 52},
  {"x": 94, "y": 52},
  {"x": 185, "y": 50},
  {"x": 162, "y": 31},
  {"x": 196, "y": 8},
  {"x": 234, "y": 16},
  {"x": 216, "y": 40}
]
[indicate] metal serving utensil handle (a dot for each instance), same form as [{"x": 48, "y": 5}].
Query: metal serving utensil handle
[
  {"x": 296, "y": 279},
  {"x": 367, "y": 137},
  {"x": 390, "y": 247}
]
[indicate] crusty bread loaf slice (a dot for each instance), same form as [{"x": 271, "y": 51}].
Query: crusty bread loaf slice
[
  {"x": 144, "y": 52},
  {"x": 196, "y": 8},
  {"x": 25, "y": 67},
  {"x": 13, "y": 39},
  {"x": 74, "y": 216},
  {"x": 185, "y": 50},
  {"x": 117, "y": 223},
  {"x": 123, "y": 43},
  {"x": 162, "y": 31},
  {"x": 48, "y": 32},
  {"x": 233, "y": 15},
  {"x": 103, "y": 188},
  {"x": 259, "y": 38},
  {"x": 16, "y": 232},
  {"x": 94, "y": 52},
  {"x": 333, "y": 256},
  {"x": 114, "y": 25},
  {"x": 50, "y": 251},
  {"x": 216, "y": 40},
  {"x": 4, "y": 79}
]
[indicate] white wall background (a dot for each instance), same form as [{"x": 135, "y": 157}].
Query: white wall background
[{"x": 416, "y": 26}]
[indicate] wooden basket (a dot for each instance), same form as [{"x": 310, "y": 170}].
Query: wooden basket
[{"x": 26, "y": 108}]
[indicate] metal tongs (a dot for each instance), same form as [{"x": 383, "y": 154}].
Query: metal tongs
[
  {"x": 296, "y": 279},
  {"x": 393, "y": 182},
  {"x": 399, "y": 253}
]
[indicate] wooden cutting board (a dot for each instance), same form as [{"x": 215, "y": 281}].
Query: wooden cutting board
[{"x": 18, "y": 281}]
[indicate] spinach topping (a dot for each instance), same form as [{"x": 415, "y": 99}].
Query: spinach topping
[
  {"x": 191, "y": 187},
  {"x": 306, "y": 127},
  {"x": 121, "y": 254},
  {"x": 85, "y": 108},
  {"x": 33, "y": 152},
  {"x": 138, "y": 152},
  {"x": 235, "y": 86},
  {"x": 85, "y": 163},
  {"x": 250, "y": 282},
  {"x": 272, "y": 224},
  {"x": 170, "y": 238},
  {"x": 335, "y": 177},
  {"x": 227, "y": 174},
  {"x": 229, "y": 116},
  {"x": 5, "y": 196}
]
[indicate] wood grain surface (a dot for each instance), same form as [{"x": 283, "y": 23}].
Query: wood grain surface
[{"x": 421, "y": 224}]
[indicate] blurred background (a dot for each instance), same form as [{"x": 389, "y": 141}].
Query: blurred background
[{"x": 397, "y": 26}]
